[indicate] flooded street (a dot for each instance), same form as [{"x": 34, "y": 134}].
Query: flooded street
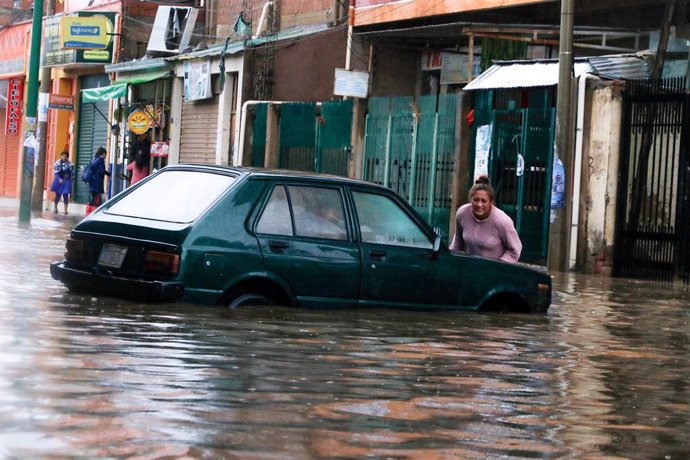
[{"x": 605, "y": 374}]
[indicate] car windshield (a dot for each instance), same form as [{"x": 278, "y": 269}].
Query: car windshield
[{"x": 173, "y": 196}]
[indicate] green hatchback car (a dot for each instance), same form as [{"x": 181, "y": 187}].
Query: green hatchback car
[{"x": 242, "y": 236}]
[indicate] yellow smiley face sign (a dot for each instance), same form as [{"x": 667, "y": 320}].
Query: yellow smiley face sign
[{"x": 139, "y": 122}]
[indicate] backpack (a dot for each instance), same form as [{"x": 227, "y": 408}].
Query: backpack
[{"x": 86, "y": 173}]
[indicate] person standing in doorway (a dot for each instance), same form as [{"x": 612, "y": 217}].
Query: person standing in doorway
[
  {"x": 139, "y": 168},
  {"x": 482, "y": 229},
  {"x": 98, "y": 173},
  {"x": 62, "y": 183}
]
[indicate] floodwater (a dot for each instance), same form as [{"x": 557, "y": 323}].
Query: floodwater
[{"x": 605, "y": 374}]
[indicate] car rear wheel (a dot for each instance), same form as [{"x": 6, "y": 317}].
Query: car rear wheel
[{"x": 249, "y": 300}]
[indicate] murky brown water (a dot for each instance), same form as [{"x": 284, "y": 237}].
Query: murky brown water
[{"x": 606, "y": 374}]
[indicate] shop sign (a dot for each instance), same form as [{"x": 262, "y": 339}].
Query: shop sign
[
  {"x": 432, "y": 60},
  {"x": 351, "y": 83},
  {"x": 139, "y": 122},
  {"x": 454, "y": 68},
  {"x": 15, "y": 96},
  {"x": 13, "y": 49},
  {"x": 86, "y": 33},
  {"x": 159, "y": 149},
  {"x": 55, "y": 49},
  {"x": 60, "y": 102}
]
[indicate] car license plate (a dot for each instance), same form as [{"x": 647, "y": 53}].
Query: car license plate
[{"x": 112, "y": 255}]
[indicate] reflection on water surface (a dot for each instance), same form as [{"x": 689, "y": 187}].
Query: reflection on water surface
[{"x": 604, "y": 374}]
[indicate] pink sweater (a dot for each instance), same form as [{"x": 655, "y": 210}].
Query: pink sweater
[{"x": 494, "y": 237}]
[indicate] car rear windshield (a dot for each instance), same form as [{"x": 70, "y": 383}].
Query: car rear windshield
[{"x": 173, "y": 196}]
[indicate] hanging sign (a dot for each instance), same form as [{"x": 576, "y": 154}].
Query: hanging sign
[
  {"x": 197, "y": 80},
  {"x": 15, "y": 96},
  {"x": 351, "y": 83},
  {"x": 139, "y": 122},
  {"x": 482, "y": 150},
  {"x": 159, "y": 149},
  {"x": 558, "y": 184},
  {"x": 84, "y": 32},
  {"x": 60, "y": 102},
  {"x": 94, "y": 38}
]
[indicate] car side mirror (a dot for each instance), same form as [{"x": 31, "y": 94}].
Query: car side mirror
[{"x": 437, "y": 247}]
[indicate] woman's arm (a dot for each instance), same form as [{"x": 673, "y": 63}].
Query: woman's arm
[
  {"x": 511, "y": 242},
  {"x": 458, "y": 244}
]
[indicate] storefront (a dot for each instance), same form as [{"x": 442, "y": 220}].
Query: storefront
[
  {"x": 11, "y": 104},
  {"x": 139, "y": 115},
  {"x": 200, "y": 112},
  {"x": 83, "y": 127},
  {"x": 91, "y": 134},
  {"x": 206, "y": 103},
  {"x": 13, "y": 42}
]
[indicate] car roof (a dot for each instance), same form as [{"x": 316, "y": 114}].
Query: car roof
[{"x": 274, "y": 173}]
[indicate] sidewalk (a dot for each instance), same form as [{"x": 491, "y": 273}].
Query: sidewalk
[{"x": 76, "y": 209}]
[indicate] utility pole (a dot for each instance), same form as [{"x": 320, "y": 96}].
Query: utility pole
[
  {"x": 30, "y": 143},
  {"x": 39, "y": 182},
  {"x": 557, "y": 259}
]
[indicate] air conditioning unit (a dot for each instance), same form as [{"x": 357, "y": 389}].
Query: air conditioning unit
[{"x": 172, "y": 30}]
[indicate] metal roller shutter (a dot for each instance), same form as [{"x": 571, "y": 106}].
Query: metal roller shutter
[
  {"x": 199, "y": 130},
  {"x": 9, "y": 159},
  {"x": 92, "y": 132}
]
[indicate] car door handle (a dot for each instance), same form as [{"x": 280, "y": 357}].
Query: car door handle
[
  {"x": 377, "y": 255},
  {"x": 277, "y": 246}
]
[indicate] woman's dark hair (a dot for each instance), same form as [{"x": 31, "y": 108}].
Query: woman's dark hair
[
  {"x": 482, "y": 183},
  {"x": 142, "y": 159},
  {"x": 100, "y": 151}
]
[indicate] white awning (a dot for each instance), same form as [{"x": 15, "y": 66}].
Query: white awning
[{"x": 523, "y": 74}]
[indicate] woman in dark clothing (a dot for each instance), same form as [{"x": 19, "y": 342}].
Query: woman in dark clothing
[{"x": 98, "y": 173}]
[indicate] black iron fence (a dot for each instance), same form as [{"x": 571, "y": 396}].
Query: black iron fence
[{"x": 653, "y": 210}]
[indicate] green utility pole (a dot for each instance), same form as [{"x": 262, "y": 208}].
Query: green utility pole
[
  {"x": 39, "y": 183},
  {"x": 30, "y": 141}
]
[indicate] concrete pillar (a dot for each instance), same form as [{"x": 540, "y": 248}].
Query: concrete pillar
[
  {"x": 175, "y": 120},
  {"x": 272, "y": 154},
  {"x": 356, "y": 164},
  {"x": 601, "y": 178}
]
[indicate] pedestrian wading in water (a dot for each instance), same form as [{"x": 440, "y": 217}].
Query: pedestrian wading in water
[{"x": 482, "y": 229}]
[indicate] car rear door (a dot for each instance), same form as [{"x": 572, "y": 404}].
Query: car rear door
[{"x": 305, "y": 239}]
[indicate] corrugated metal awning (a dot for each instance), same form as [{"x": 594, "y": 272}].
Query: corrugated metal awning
[
  {"x": 523, "y": 74},
  {"x": 623, "y": 67}
]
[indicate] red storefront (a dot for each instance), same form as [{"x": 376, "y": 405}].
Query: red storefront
[{"x": 13, "y": 41}]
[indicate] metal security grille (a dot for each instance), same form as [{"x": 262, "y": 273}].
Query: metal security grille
[
  {"x": 520, "y": 162},
  {"x": 259, "y": 136},
  {"x": 312, "y": 138},
  {"x": 410, "y": 148},
  {"x": 653, "y": 209},
  {"x": 297, "y": 136},
  {"x": 91, "y": 134},
  {"x": 198, "y": 131}
]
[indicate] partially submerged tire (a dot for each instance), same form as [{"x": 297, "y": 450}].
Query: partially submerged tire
[{"x": 250, "y": 300}]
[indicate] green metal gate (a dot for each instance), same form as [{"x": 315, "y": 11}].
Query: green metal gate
[
  {"x": 92, "y": 132},
  {"x": 297, "y": 136},
  {"x": 409, "y": 147},
  {"x": 520, "y": 162},
  {"x": 312, "y": 138}
]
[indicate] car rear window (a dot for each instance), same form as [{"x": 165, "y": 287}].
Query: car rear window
[{"x": 173, "y": 196}]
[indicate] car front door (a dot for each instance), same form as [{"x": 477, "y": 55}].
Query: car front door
[
  {"x": 305, "y": 239},
  {"x": 399, "y": 266}
]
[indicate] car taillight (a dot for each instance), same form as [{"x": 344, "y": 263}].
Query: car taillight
[
  {"x": 165, "y": 263},
  {"x": 74, "y": 250}
]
